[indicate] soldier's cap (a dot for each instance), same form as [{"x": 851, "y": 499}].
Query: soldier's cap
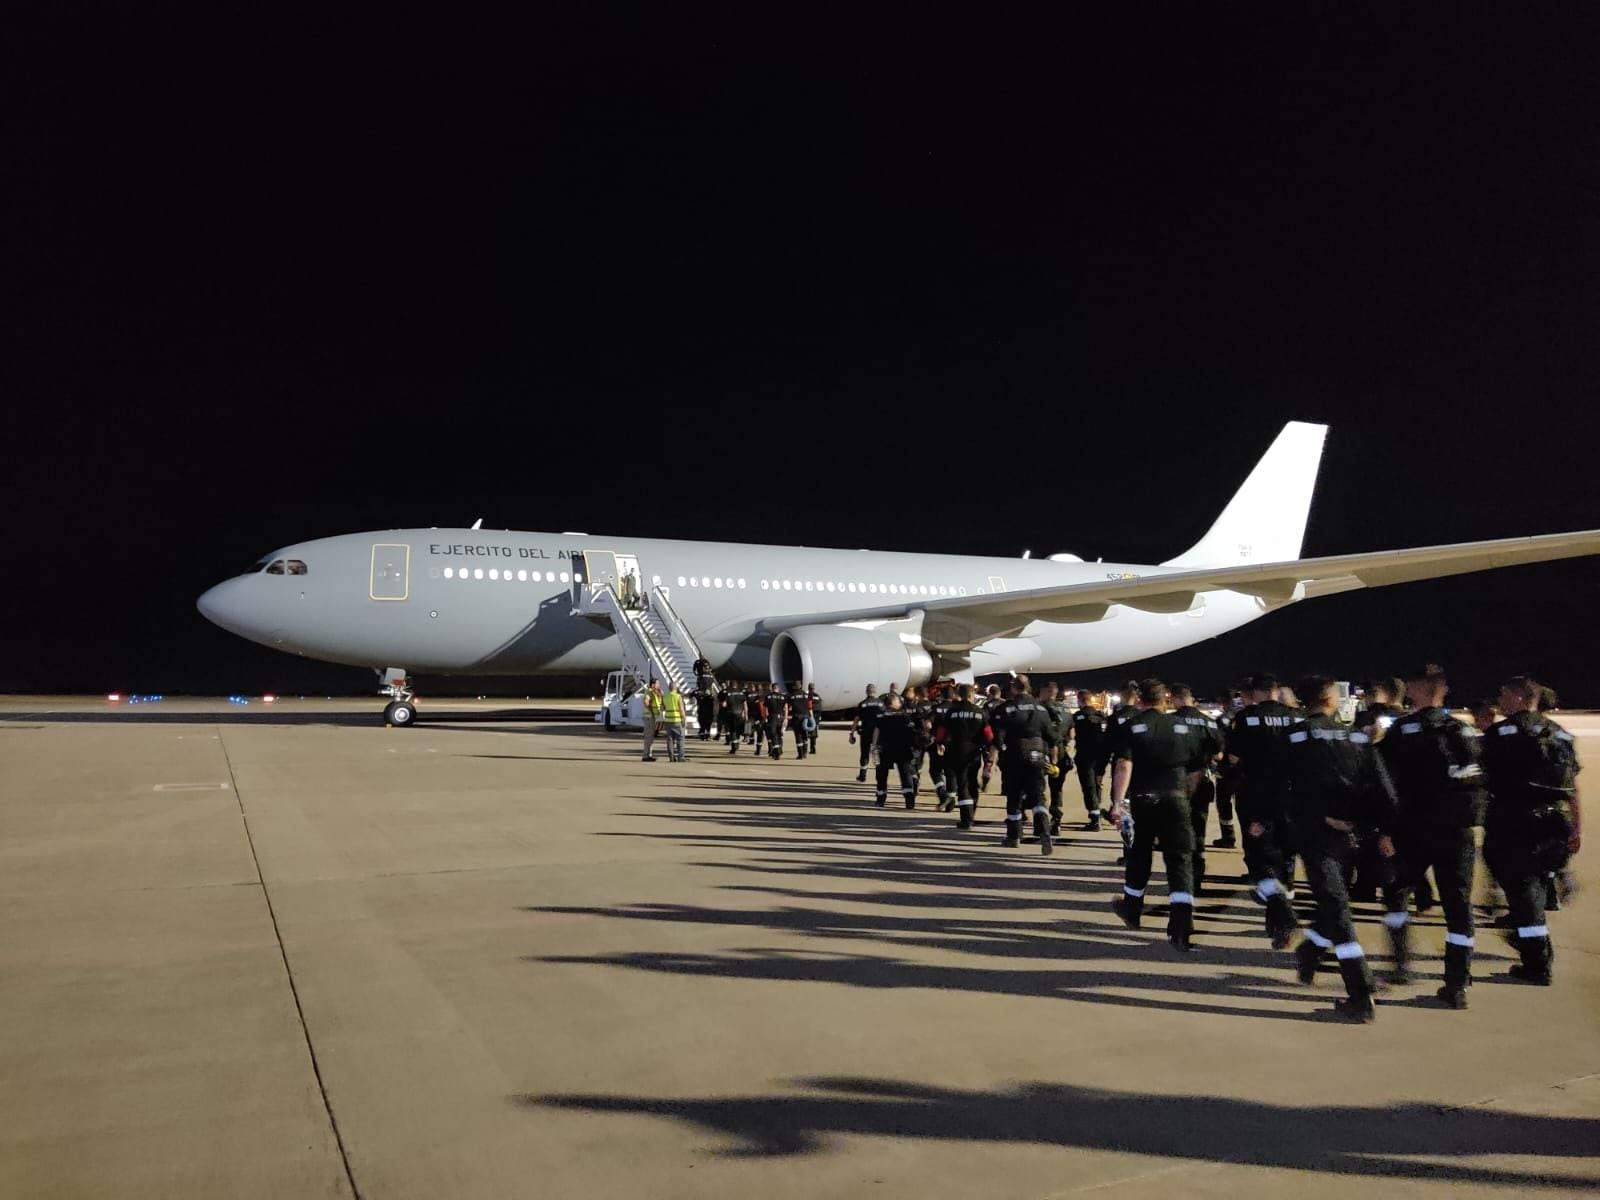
[{"x": 1426, "y": 673}]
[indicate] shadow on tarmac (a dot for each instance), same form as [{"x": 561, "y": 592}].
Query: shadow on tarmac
[{"x": 1396, "y": 1142}]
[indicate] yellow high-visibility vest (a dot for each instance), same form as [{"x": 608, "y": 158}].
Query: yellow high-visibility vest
[
  {"x": 674, "y": 707},
  {"x": 653, "y": 701}
]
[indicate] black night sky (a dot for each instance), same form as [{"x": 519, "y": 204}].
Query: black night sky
[{"x": 966, "y": 287}]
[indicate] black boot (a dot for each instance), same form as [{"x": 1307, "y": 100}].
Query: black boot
[
  {"x": 1358, "y": 1006},
  {"x": 1308, "y": 956},
  {"x": 1180, "y": 925},
  {"x": 1400, "y": 946},
  {"x": 1281, "y": 923},
  {"x": 861, "y": 775},
  {"x": 1041, "y": 830},
  {"x": 1129, "y": 908},
  {"x": 1538, "y": 957},
  {"x": 1227, "y": 841},
  {"x": 1457, "y": 970},
  {"x": 965, "y": 821},
  {"x": 1013, "y": 835}
]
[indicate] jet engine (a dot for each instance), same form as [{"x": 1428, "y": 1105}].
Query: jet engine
[{"x": 842, "y": 659}]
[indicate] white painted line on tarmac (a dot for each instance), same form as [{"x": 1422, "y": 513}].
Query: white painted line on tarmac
[{"x": 192, "y": 787}]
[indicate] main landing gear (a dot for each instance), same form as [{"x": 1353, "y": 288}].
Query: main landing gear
[{"x": 402, "y": 710}]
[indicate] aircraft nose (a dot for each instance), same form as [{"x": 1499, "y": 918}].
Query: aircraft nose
[{"x": 220, "y": 605}]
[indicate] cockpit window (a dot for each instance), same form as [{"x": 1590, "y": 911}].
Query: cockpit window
[
  {"x": 276, "y": 568},
  {"x": 296, "y": 567}
]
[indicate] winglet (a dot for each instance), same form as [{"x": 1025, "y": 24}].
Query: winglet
[{"x": 1266, "y": 519}]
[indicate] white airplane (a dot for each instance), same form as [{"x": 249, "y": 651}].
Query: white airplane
[{"x": 481, "y": 602}]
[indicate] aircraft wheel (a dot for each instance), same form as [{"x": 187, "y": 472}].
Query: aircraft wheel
[{"x": 399, "y": 712}]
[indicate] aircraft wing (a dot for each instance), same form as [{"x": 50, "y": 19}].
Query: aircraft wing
[{"x": 958, "y": 623}]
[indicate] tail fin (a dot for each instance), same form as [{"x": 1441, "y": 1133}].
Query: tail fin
[{"x": 1266, "y": 519}]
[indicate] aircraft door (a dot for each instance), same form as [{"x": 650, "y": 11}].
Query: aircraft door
[
  {"x": 996, "y": 584},
  {"x": 391, "y": 572},
  {"x": 597, "y": 567}
]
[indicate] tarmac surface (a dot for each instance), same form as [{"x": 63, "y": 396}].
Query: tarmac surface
[{"x": 281, "y": 951}]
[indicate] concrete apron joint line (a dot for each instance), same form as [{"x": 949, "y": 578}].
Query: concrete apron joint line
[{"x": 316, "y": 1068}]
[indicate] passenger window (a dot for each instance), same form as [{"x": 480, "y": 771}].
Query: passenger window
[
  {"x": 296, "y": 567},
  {"x": 276, "y": 568}
]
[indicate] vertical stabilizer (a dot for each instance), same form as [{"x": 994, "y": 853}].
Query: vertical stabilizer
[{"x": 1266, "y": 519}]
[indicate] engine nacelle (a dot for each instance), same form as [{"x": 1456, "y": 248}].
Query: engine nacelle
[{"x": 841, "y": 660}]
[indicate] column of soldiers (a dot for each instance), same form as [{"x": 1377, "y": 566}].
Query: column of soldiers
[
  {"x": 1368, "y": 808},
  {"x": 755, "y": 714}
]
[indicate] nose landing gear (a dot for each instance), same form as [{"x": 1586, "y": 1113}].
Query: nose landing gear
[{"x": 402, "y": 710}]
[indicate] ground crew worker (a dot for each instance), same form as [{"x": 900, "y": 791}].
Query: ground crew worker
[
  {"x": 1023, "y": 732},
  {"x": 1333, "y": 790},
  {"x": 1089, "y": 747},
  {"x": 1120, "y": 716},
  {"x": 1061, "y": 728},
  {"x": 1149, "y": 757},
  {"x": 961, "y": 733},
  {"x": 1432, "y": 759},
  {"x": 652, "y": 718},
  {"x": 777, "y": 721},
  {"x": 1255, "y": 747},
  {"x": 892, "y": 739},
  {"x": 801, "y": 718},
  {"x": 814, "y": 702},
  {"x": 1198, "y": 781},
  {"x": 863, "y": 726},
  {"x": 673, "y": 717},
  {"x": 1532, "y": 825},
  {"x": 731, "y": 722}
]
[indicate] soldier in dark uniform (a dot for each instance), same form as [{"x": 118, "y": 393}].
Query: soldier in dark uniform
[
  {"x": 961, "y": 733},
  {"x": 917, "y": 709},
  {"x": 992, "y": 701},
  {"x": 866, "y": 721},
  {"x": 1372, "y": 721},
  {"x": 1061, "y": 729},
  {"x": 892, "y": 738},
  {"x": 1255, "y": 747},
  {"x": 1198, "y": 780},
  {"x": 705, "y": 694},
  {"x": 814, "y": 702},
  {"x": 1533, "y": 821},
  {"x": 777, "y": 721},
  {"x": 1023, "y": 730},
  {"x": 1227, "y": 776},
  {"x": 1120, "y": 716},
  {"x": 1334, "y": 789},
  {"x": 801, "y": 719},
  {"x": 1432, "y": 759},
  {"x": 938, "y": 711},
  {"x": 1150, "y": 755},
  {"x": 757, "y": 713},
  {"x": 1089, "y": 747},
  {"x": 731, "y": 720}
]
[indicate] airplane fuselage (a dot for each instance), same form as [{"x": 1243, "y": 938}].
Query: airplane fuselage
[{"x": 500, "y": 603}]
